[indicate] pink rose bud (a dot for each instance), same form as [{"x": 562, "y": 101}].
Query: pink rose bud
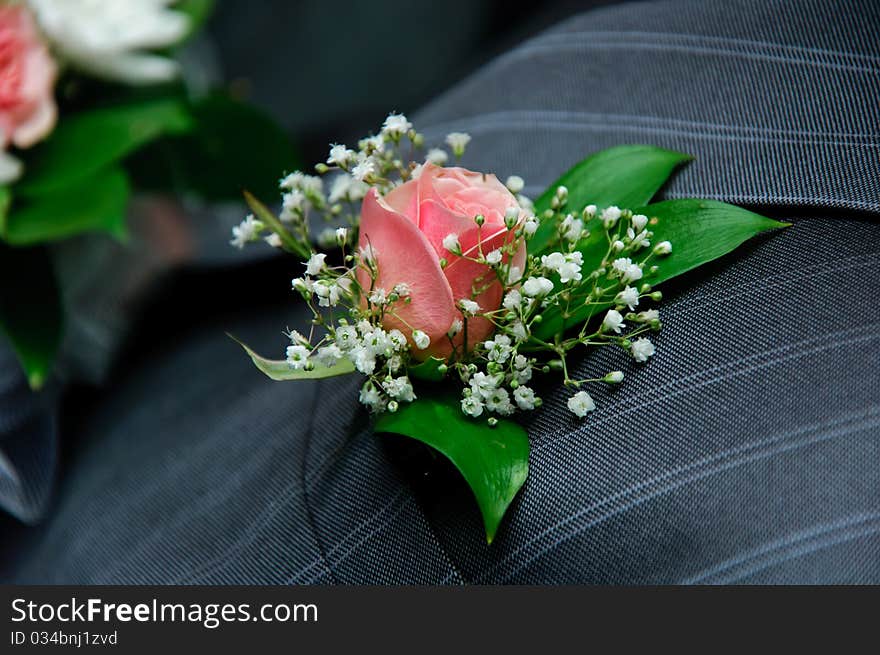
[
  {"x": 27, "y": 79},
  {"x": 406, "y": 231}
]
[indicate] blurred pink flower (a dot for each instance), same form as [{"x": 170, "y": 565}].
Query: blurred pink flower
[{"x": 27, "y": 80}]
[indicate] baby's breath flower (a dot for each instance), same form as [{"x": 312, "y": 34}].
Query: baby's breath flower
[
  {"x": 377, "y": 296},
  {"x": 316, "y": 263},
  {"x": 519, "y": 331},
  {"x": 340, "y": 155},
  {"x": 648, "y": 315},
  {"x": 371, "y": 397},
  {"x": 629, "y": 297},
  {"x": 494, "y": 258},
  {"x": 365, "y": 168},
  {"x": 482, "y": 384},
  {"x": 514, "y": 275},
  {"x": 515, "y": 184},
  {"x": 581, "y": 404},
  {"x": 246, "y": 231},
  {"x": 329, "y": 355},
  {"x": 525, "y": 398},
  {"x": 273, "y": 240},
  {"x": 341, "y": 235},
  {"x": 397, "y": 340},
  {"x": 346, "y": 337},
  {"x": 610, "y": 216},
  {"x": 399, "y": 389},
  {"x": 535, "y": 287},
  {"x": 402, "y": 289},
  {"x": 421, "y": 339},
  {"x": 642, "y": 349},
  {"x": 663, "y": 248},
  {"x": 472, "y": 405},
  {"x": 512, "y": 300},
  {"x": 468, "y": 307},
  {"x": 614, "y": 377},
  {"x": 498, "y": 401},
  {"x": 571, "y": 228},
  {"x": 455, "y": 328},
  {"x": 297, "y": 357},
  {"x": 437, "y": 156},
  {"x": 364, "y": 360},
  {"x": 613, "y": 321},
  {"x": 458, "y": 142},
  {"x": 530, "y": 227},
  {"x": 498, "y": 349},
  {"x": 395, "y": 126},
  {"x": 590, "y": 211},
  {"x": 639, "y": 221},
  {"x": 450, "y": 242}
]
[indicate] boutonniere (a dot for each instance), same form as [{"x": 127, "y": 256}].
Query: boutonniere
[{"x": 451, "y": 293}]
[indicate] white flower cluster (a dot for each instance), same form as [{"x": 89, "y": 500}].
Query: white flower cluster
[{"x": 605, "y": 301}]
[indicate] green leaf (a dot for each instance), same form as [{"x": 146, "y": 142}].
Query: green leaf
[
  {"x": 493, "y": 461},
  {"x": 627, "y": 176},
  {"x": 30, "y": 309},
  {"x": 233, "y": 146},
  {"x": 429, "y": 370},
  {"x": 97, "y": 204},
  {"x": 199, "y": 11},
  {"x": 87, "y": 142},
  {"x": 279, "y": 369},
  {"x": 699, "y": 231}
]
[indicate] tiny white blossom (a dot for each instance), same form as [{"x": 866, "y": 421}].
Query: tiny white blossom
[
  {"x": 396, "y": 125},
  {"x": 512, "y": 300},
  {"x": 341, "y": 234},
  {"x": 610, "y": 216},
  {"x": 371, "y": 397},
  {"x": 315, "y": 264},
  {"x": 399, "y": 389},
  {"x": 571, "y": 228},
  {"x": 591, "y": 210},
  {"x": 273, "y": 240},
  {"x": 537, "y": 286},
  {"x": 494, "y": 257},
  {"x": 639, "y": 240},
  {"x": 468, "y": 307},
  {"x": 458, "y": 142},
  {"x": 329, "y": 355},
  {"x": 472, "y": 405},
  {"x": 613, "y": 321},
  {"x": 437, "y": 156},
  {"x": 402, "y": 289},
  {"x": 581, "y": 404},
  {"x": 364, "y": 168},
  {"x": 421, "y": 339},
  {"x": 663, "y": 248},
  {"x": 629, "y": 297},
  {"x": 455, "y": 328},
  {"x": 291, "y": 181},
  {"x": 483, "y": 385},
  {"x": 346, "y": 337},
  {"x": 523, "y": 369},
  {"x": 618, "y": 245},
  {"x": 245, "y": 231},
  {"x": 642, "y": 349},
  {"x": 530, "y": 227},
  {"x": 614, "y": 377},
  {"x": 364, "y": 360},
  {"x": 450, "y": 242},
  {"x": 514, "y": 275},
  {"x": 303, "y": 285},
  {"x": 498, "y": 349},
  {"x": 639, "y": 222},
  {"x": 499, "y": 401},
  {"x": 520, "y": 331},
  {"x": 515, "y": 184},
  {"x": 340, "y": 155},
  {"x": 377, "y": 296},
  {"x": 649, "y": 315},
  {"x": 525, "y": 398},
  {"x": 297, "y": 357},
  {"x": 397, "y": 340},
  {"x": 378, "y": 342}
]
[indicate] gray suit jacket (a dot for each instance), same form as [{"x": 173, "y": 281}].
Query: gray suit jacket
[{"x": 748, "y": 450}]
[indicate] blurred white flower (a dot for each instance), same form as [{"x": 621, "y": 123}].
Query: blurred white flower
[{"x": 107, "y": 38}]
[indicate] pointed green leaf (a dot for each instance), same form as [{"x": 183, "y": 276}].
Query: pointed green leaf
[
  {"x": 627, "y": 176},
  {"x": 279, "y": 369},
  {"x": 428, "y": 370},
  {"x": 30, "y": 309},
  {"x": 97, "y": 204},
  {"x": 493, "y": 461},
  {"x": 87, "y": 142},
  {"x": 264, "y": 214},
  {"x": 699, "y": 230}
]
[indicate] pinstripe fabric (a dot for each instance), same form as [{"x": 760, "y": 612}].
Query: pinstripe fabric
[{"x": 748, "y": 450}]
